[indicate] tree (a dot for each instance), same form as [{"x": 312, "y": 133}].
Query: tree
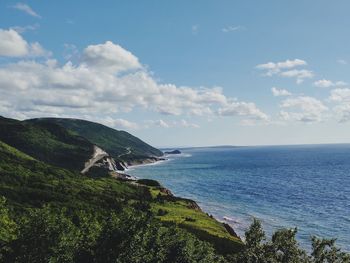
[
  {"x": 45, "y": 235},
  {"x": 8, "y": 228},
  {"x": 286, "y": 248},
  {"x": 255, "y": 249},
  {"x": 325, "y": 251}
]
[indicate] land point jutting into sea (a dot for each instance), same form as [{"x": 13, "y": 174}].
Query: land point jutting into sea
[
  {"x": 62, "y": 190},
  {"x": 174, "y": 131}
]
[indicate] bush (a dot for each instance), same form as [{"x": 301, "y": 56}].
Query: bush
[{"x": 149, "y": 182}]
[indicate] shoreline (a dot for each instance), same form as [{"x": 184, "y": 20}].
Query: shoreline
[
  {"x": 225, "y": 220},
  {"x": 147, "y": 164},
  {"x": 123, "y": 174},
  {"x": 239, "y": 214}
]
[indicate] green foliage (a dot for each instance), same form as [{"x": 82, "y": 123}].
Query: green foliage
[
  {"x": 325, "y": 251},
  {"x": 8, "y": 228},
  {"x": 62, "y": 216},
  {"x": 255, "y": 251},
  {"x": 45, "y": 236},
  {"x": 283, "y": 248},
  {"x": 186, "y": 214},
  {"x": 286, "y": 248},
  {"x": 47, "y": 142},
  {"x": 50, "y": 214},
  {"x": 149, "y": 182}
]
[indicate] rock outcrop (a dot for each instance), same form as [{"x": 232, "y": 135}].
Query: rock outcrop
[
  {"x": 166, "y": 191},
  {"x": 100, "y": 159},
  {"x": 230, "y": 230}
]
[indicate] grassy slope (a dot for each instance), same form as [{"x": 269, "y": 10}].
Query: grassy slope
[
  {"x": 46, "y": 142},
  {"x": 27, "y": 183},
  {"x": 113, "y": 141},
  {"x": 179, "y": 211}
]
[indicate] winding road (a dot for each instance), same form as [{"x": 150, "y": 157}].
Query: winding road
[
  {"x": 97, "y": 155},
  {"x": 128, "y": 151}
]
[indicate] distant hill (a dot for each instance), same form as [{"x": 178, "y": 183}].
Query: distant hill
[
  {"x": 121, "y": 145},
  {"x": 173, "y": 152},
  {"x": 47, "y": 141}
]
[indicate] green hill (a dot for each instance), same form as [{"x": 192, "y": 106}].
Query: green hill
[
  {"x": 49, "y": 214},
  {"x": 47, "y": 142},
  {"x": 52, "y": 214},
  {"x": 120, "y": 145}
]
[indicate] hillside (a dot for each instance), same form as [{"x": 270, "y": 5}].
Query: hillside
[
  {"x": 47, "y": 142},
  {"x": 120, "y": 145},
  {"x": 61, "y": 216},
  {"x": 52, "y": 214}
]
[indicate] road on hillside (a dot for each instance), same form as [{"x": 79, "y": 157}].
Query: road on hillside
[
  {"x": 128, "y": 151},
  {"x": 97, "y": 155}
]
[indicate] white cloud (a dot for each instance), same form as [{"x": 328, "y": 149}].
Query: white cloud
[
  {"x": 342, "y": 109},
  {"x": 280, "y": 92},
  {"x": 120, "y": 123},
  {"x": 111, "y": 57},
  {"x": 300, "y": 75},
  {"x": 286, "y": 69},
  {"x": 36, "y": 50},
  {"x": 70, "y": 52},
  {"x": 304, "y": 109},
  {"x": 94, "y": 86},
  {"x": 342, "y": 112},
  {"x": 163, "y": 124},
  {"x": 275, "y": 68},
  {"x": 232, "y": 29},
  {"x": 27, "y": 9},
  {"x": 324, "y": 83},
  {"x": 340, "y": 95},
  {"x": 240, "y": 108},
  {"x": 12, "y": 44}
]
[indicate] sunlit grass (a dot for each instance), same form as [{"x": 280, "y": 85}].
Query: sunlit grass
[{"x": 180, "y": 212}]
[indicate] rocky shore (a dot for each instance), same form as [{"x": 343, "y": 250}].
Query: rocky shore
[{"x": 101, "y": 161}]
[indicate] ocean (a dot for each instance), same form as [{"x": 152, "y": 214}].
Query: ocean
[{"x": 306, "y": 186}]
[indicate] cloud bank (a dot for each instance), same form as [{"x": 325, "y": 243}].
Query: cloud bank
[{"x": 106, "y": 80}]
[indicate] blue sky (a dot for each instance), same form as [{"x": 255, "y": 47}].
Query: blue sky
[{"x": 182, "y": 73}]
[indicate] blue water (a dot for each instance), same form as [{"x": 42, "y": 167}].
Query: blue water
[{"x": 284, "y": 186}]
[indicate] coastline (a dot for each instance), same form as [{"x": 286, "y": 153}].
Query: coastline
[
  {"x": 122, "y": 174},
  {"x": 225, "y": 221},
  {"x": 226, "y": 185},
  {"x": 156, "y": 162}
]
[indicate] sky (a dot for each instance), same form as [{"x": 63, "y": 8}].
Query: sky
[{"x": 182, "y": 73}]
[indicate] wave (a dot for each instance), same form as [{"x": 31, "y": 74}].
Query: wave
[{"x": 132, "y": 167}]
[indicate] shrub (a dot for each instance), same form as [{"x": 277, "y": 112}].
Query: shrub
[{"x": 149, "y": 182}]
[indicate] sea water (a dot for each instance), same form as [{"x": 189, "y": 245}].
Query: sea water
[{"x": 306, "y": 186}]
